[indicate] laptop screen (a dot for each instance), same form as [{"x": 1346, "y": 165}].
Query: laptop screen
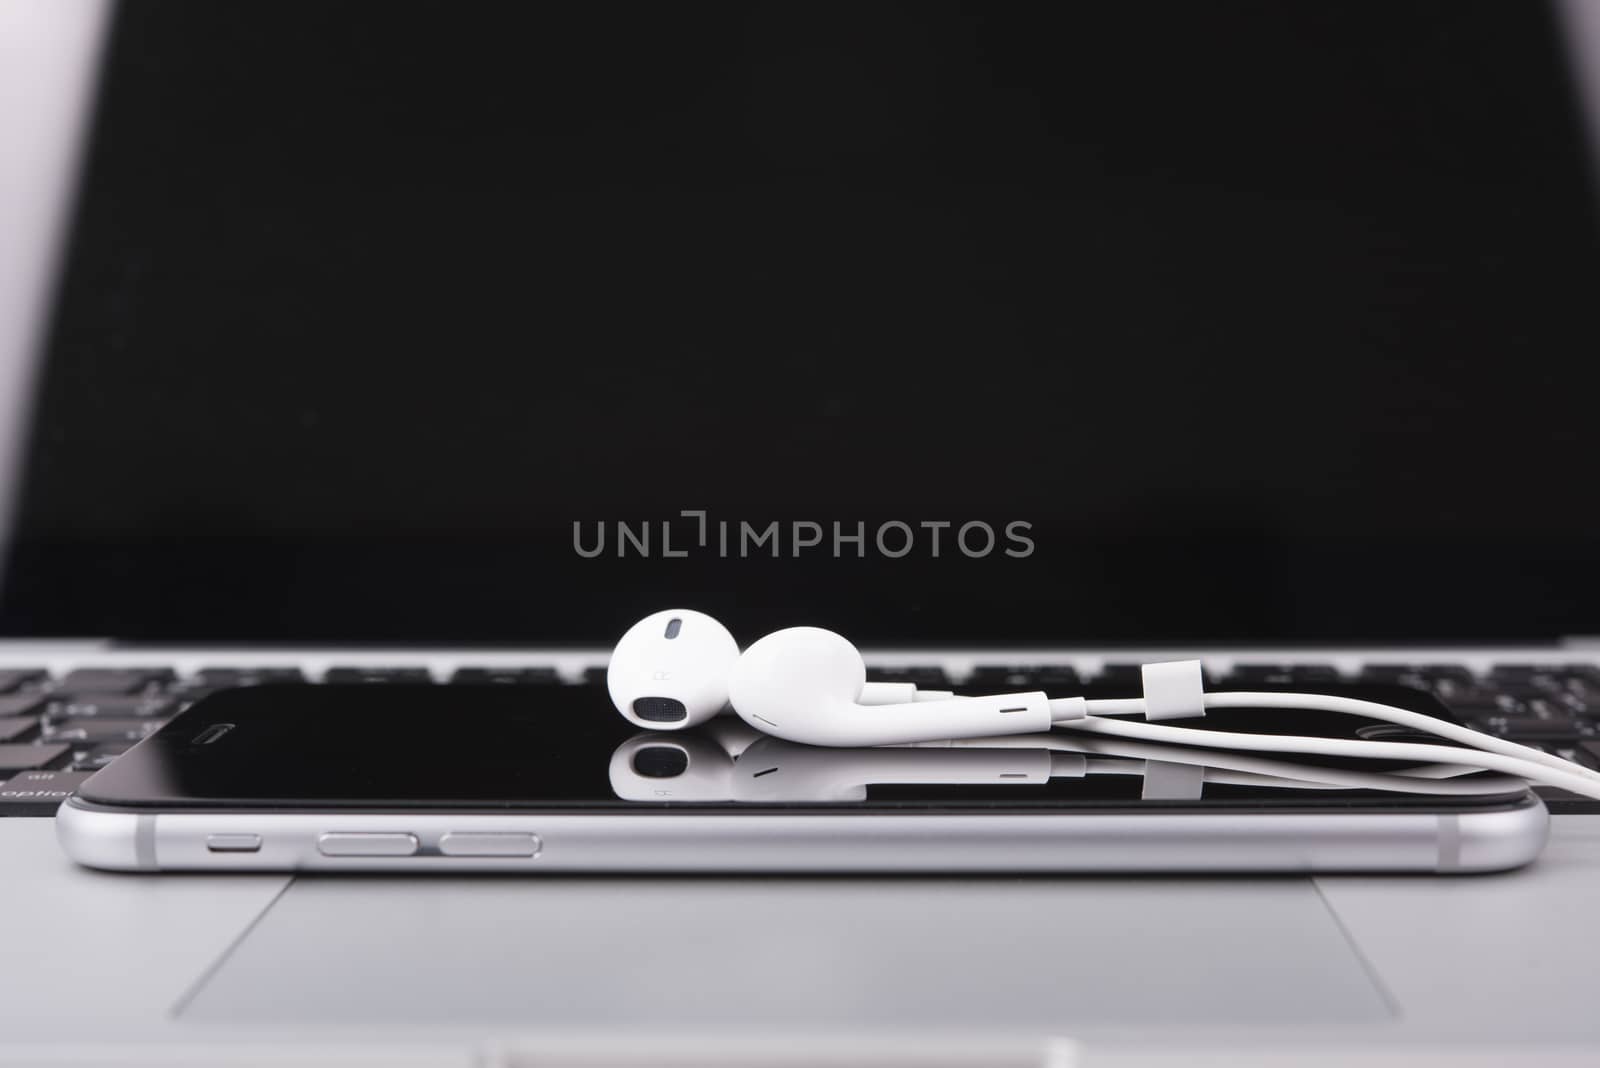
[{"x": 927, "y": 322}]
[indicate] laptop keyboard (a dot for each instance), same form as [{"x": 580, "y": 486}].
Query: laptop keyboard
[{"x": 55, "y": 731}]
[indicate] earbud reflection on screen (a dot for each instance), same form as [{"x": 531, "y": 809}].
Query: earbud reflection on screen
[{"x": 708, "y": 765}]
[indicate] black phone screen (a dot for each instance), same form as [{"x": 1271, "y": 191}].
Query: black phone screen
[{"x": 564, "y": 747}]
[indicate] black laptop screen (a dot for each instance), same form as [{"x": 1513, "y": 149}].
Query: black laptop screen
[{"x": 932, "y": 322}]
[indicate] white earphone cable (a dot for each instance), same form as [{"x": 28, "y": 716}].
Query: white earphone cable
[
  {"x": 1367, "y": 709},
  {"x": 1403, "y": 717},
  {"x": 1428, "y": 779},
  {"x": 1567, "y": 778}
]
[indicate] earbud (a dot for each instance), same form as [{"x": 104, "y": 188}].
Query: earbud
[
  {"x": 804, "y": 684},
  {"x": 670, "y": 670}
]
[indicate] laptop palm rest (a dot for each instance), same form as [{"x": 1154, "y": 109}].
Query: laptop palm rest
[{"x": 712, "y": 955}]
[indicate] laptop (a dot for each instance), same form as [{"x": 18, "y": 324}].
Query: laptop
[{"x": 439, "y": 343}]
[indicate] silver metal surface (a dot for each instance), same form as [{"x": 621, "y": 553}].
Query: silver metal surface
[
  {"x": 489, "y": 844},
  {"x": 825, "y": 842},
  {"x": 741, "y": 956},
  {"x": 355, "y": 843},
  {"x": 1484, "y": 971},
  {"x": 62, "y": 656},
  {"x": 1580, "y": 31},
  {"x": 47, "y": 74}
]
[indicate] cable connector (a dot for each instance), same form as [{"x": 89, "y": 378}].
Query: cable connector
[
  {"x": 1174, "y": 689},
  {"x": 1064, "y": 709}
]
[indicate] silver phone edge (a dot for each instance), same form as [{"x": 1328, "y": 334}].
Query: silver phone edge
[{"x": 1459, "y": 842}]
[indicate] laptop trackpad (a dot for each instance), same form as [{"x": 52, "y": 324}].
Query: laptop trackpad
[{"x": 714, "y": 954}]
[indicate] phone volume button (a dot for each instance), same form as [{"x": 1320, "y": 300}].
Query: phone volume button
[
  {"x": 490, "y": 844},
  {"x": 367, "y": 844}
]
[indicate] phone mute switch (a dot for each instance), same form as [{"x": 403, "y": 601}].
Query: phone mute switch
[{"x": 366, "y": 844}]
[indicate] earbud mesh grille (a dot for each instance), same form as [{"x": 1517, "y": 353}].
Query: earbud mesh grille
[{"x": 659, "y": 709}]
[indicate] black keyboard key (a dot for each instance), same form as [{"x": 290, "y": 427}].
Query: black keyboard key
[
  {"x": 1476, "y": 696},
  {"x": 15, "y": 758},
  {"x": 112, "y": 680},
  {"x": 38, "y": 793},
  {"x": 1587, "y": 754},
  {"x": 537, "y": 676},
  {"x": 1127, "y": 677},
  {"x": 14, "y": 678},
  {"x": 1257, "y": 671},
  {"x": 1060, "y": 681},
  {"x": 924, "y": 678},
  {"x": 1538, "y": 728},
  {"x": 1416, "y": 676},
  {"x": 1449, "y": 686},
  {"x": 1529, "y": 690},
  {"x": 1384, "y": 672},
  {"x": 1130, "y": 677},
  {"x": 15, "y": 728},
  {"x": 999, "y": 678},
  {"x": 1244, "y": 676},
  {"x": 1582, "y": 705},
  {"x": 1546, "y": 707},
  {"x": 91, "y": 731},
  {"x": 1527, "y": 678},
  {"x": 112, "y": 706},
  {"x": 1459, "y": 674},
  {"x": 1514, "y": 671},
  {"x": 224, "y": 678},
  {"x": 1430, "y": 671},
  {"x": 1583, "y": 678},
  {"x": 1058, "y": 676},
  {"x": 993, "y": 678},
  {"x": 21, "y": 704},
  {"x": 376, "y": 675},
  {"x": 1506, "y": 704}
]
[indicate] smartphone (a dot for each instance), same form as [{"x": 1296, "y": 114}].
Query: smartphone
[{"x": 396, "y": 778}]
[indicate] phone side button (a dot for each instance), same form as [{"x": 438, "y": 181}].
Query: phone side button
[
  {"x": 233, "y": 843},
  {"x": 489, "y": 844},
  {"x": 366, "y": 844}
]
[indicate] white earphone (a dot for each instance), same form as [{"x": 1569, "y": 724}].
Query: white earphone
[
  {"x": 670, "y": 670},
  {"x": 673, "y": 670},
  {"x": 804, "y": 684},
  {"x": 678, "y": 668}
]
